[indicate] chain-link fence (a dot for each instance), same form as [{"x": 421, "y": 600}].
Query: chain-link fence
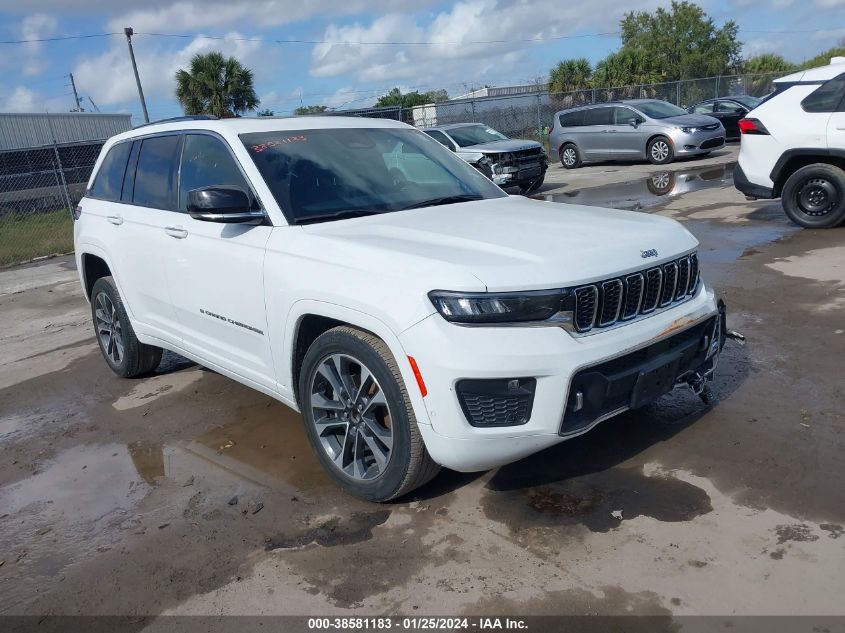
[{"x": 38, "y": 189}]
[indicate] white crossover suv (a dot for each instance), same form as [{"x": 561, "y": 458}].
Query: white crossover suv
[
  {"x": 793, "y": 146},
  {"x": 415, "y": 321}
]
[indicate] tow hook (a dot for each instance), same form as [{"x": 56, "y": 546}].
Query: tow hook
[{"x": 697, "y": 381}]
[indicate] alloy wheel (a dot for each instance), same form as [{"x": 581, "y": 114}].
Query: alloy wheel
[
  {"x": 660, "y": 150},
  {"x": 351, "y": 417},
  {"x": 569, "y": 156},
  {"x": 109, "y": 329}
]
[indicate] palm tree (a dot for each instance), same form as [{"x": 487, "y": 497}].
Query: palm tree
[
  {"x": 570, "y": 75},
  {"x": 216, "y": 85}
]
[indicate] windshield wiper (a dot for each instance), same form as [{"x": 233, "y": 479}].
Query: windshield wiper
[
  {"x": 338, "y": 215},
  {"x": 467, "y": 197}
]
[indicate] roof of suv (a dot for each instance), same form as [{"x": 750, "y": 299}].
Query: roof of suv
[{"x": 245, "y": 125}]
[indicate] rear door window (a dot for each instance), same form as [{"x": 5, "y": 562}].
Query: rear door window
[
  {"x": 829, "y": 97},
  {"x": 206, "y": 162},
  {"x": 109, "y": 180},
  {"x": 703, "y": 108},
  {"x": 155, "y": 176},
  {"x": 598, "y": 116}
]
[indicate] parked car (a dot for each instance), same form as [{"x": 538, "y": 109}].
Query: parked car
[
  {"x": 509, "y": 162},
  {"x": 729, "y": 110},
  {"x": 793, "y": 146},
  {"x": 635, "y": 129},
  {"x": 416, "y": 323}
]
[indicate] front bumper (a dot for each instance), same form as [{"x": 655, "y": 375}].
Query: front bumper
[
  {"x": 549, "y": 355},
  {"x": 689, "y": 144}
]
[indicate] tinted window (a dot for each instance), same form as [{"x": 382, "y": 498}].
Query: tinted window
[
  {"x": 729, "y": 107},
  {"x": 703, "y": 108},
  {"x": 623, "y": 116},
  {"x": 206, "y": 161},
  {"x": 748, "y": 101},
  {"x": 440, "y": 138},
  {"x": 598, "y": 116},
  {"x": 826, "y": 98},
  {"x": 109, "y": 180},
  {"x": 155, "y": 177},
  {"x": 572, "y": 119},
  {"x": 659, "y": 109}
]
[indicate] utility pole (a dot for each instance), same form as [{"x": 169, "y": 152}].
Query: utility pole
[
  {"x": 96, "y": 109},
  {"x": 77, "y": 101},
  {"x": 129, "y": 32}
]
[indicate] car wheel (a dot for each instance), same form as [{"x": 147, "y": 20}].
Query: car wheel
[
  {"x": 570, "y": 157},
  {"x": 358, "y": 417},
  {"x": 532, "y": 186},
  {"x": 814, "y": 196},
  {"x": 122, "y": 350},
  {"x": 660, "y": 150},
  {"x": 661, "y": 183}
]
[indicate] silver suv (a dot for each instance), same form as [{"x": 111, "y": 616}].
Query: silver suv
[{"x": 632, "y": 130}]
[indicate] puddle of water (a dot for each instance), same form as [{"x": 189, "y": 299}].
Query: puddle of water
[{"x": 655, "y": 190}]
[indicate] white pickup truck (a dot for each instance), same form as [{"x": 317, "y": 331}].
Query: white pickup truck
[{"x": 415, "y": 322}]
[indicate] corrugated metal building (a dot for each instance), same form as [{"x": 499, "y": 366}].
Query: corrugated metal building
[{"x": 46, "y": 159}]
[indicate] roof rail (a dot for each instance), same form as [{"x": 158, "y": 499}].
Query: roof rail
[{"x": 190, "y": 117}]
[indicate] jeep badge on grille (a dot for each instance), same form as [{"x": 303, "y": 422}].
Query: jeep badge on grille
[{"x": 652, "y": 252}]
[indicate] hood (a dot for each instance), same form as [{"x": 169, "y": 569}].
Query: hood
[
  {"x": 512, "y": 243},
  {"x": 689, "y": 120},
  {"x": 497, "y": 147}
]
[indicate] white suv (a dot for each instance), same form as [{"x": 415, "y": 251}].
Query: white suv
[
  {"x": 793, "y": 146},
  {"x": 415, "y": 321}
]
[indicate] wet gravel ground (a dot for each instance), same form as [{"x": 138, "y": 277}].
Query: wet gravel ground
[{"x": 188, "y": 493}]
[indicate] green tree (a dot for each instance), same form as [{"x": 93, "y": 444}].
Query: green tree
[
  {"x": 570, "y": 75},
  {"x": 767, "y": 63},
  {"x": 682, "y": 42},
  {"x": 410, "y": 99},
  {"x": 265, "y": 112},
  {"x": 310, "y": 109},
  {"x": 625, "y": 67},
  {"x": 823, "y": 58},
  {"x": 216, "y": 85}
]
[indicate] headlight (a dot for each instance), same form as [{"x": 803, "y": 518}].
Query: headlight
[
  {"x": 688, "y": 130},
  {"x": 551, "y": 306}
]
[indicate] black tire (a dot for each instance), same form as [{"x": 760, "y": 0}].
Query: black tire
[
  {"x": 814, "y": 196},
  {"x": 532, "y": 186},
  {"x": 408, "y": 465},
  {"x": 564, "y": 155},
  {"x": 660, "y": 151},
  {"x": 661, "y": 183},
  {"x": 121, "y": 349}
]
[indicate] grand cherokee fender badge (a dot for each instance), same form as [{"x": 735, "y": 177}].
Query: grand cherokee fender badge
[
  {"x": 231, "y": 321},
  {"x": 652, "y": 252}
]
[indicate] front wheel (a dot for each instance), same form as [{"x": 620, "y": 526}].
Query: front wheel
[
  {"x": 531, "y": 187},
  {"x": 660, "y": 151},
  {"x": 121, "y": 349},
  {"x": 814, "y": 196},
  {"x": 358, "y": 417}
]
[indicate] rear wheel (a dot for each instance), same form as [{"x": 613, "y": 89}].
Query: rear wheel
[
  {"x": 358, "y": 417},
  {"x": 570, "y": 157},
  {"x": 121, "y": 349},
  {"x": 814, "y": 196},
  {"x": 660, "y": 150}
]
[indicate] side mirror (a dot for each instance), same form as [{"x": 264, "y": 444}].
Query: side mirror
[
  {"x": 633, "y": 122},
  {"x": 222, "y": 204}
]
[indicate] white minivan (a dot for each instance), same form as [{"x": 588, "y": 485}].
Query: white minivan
[{"x": 416, "y": 322}]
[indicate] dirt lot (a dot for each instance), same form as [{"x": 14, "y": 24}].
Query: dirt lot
[{"x": 188, "y": 493}]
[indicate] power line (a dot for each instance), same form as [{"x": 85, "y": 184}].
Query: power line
[{"x": 59, "y": 39}]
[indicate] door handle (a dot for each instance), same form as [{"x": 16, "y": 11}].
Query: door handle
[
  {"x": 176, "y": 231},
  {"x": 115, "y": 219}
]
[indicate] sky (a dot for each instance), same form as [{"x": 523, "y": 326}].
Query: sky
[{"x": 310, "y": 52}]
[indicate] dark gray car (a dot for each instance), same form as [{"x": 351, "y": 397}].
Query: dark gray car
[
  {"x": 507, "y": 162},
  {"x": 635, "y": 129}
]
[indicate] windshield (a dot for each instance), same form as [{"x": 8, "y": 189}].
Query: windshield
[
  {"x": 475, "y": 135},
  {"x": 659, "y": 109},
  {"x": 748, "y": 101},
  {"x": 331, "y": 174}
]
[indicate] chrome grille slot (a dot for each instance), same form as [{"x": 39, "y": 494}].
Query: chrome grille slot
[
  {"x": 651, "y": 297},
  {"x": 611, "y": 302},
  {"x": 670, "y": 282},
  {"x": 586, "y": 306},
  {"x": 634, "y": 286},
  {"x": 683, "y": 278}
]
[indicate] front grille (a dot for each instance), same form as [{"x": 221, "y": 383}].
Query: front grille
[
  {"x": 713, "y": 142},
  {"x": 709, "y": 128},
  {"x": 497, "y": 402},
  {"x": 608, "y": 302}
]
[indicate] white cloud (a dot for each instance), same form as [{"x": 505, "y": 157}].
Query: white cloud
[
  {"x": 33, "y": 27},
  {"x": 21, "y": 99},
  {"x": 108, "y": 77}
]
